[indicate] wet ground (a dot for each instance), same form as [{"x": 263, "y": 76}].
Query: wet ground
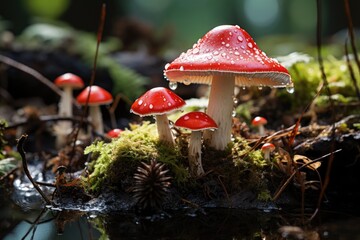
[{"x": 24, "y": 216}]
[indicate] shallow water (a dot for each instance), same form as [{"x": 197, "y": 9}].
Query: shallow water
[
  {"x": 24, "y": 216},
  {"x": 44, "y": 223}
]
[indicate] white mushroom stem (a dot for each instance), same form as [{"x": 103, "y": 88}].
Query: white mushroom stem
[
  {"x": 64, "y": 128},
  {"x": 164, "y": 131},
  {"x": 267, "y": 154},
  {"x": 220, "y": 109},
  {"x": 194, "y": 155},
  {"x": 261, "y": 130},
  {"x": 65, "y": 105},
  {"x": 96, "y": 119}
]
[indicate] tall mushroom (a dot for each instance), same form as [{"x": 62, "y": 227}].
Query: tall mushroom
[
  {"x": 68, "y": 82},
  {"x": 159, "y": 102},
  {"x": 224, "y": 57},
  {"x": 97, "y": 96},
  {"x": 196, "y": 122}
]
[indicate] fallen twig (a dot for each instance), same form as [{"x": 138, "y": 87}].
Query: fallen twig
[
  {"x": 26, "y": 170},
  {"x": 278, "y": 193},
  {"x": 30, "y": 71}
]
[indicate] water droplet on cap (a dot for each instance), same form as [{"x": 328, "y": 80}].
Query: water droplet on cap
[
  {"x": 240, "y": 38},
  {"x": 290, "y": 89},
  {"x": 250, "y": 45},
  {"x": 235, "y": 100},
  {"x": 173, "y": 85}
]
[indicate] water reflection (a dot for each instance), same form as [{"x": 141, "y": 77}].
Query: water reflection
[
  {"x": 184, "y": 224},
  {"x": 37, "y": 222}
]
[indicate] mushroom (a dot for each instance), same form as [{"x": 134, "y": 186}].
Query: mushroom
[
  {"x": 114, "y": 133},
  {"x": 224, "y": 57},
  {"x": 158, "y": 102},
  {"x": 97, "y": 96},
  {"x": 68, "y": 82},
  {"x": 259, "y": 122},
  {"x": 267, "y": 148},
  {"x": 196, "y": 122}
]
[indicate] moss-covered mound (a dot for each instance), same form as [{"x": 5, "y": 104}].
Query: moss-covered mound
[
  {"x": 240, "y": 168},
  {"x": 116, "y": 161}
]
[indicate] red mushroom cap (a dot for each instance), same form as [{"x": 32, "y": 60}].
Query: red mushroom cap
[
  {"x": 196, "y": 121},
  {"x": 98, "y": 96},
  {"x": 227, "y": 49},
  {"x": 157, "y": 101},
  {"x": 257, "y": 121},
  {"x": 114, "y": 133},
  {"x": 69, "y": 79},
  {"x": 268, "y": 147}
]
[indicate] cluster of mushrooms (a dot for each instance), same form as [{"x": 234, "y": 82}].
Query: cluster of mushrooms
[
  {"x": 225, "y": 57},
  {"x": 94, "y": 96}
]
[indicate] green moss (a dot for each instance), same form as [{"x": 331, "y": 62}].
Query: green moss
[
  {"x": 238, "y": 168},
  {"x": 117, "y": 160},
  {"x": 307, "y": 80},
  {"x": 250, "y": 166},
  {"x": 264, "y": 195}
]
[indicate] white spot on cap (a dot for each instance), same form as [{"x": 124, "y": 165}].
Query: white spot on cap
[
  {"x": 250, "y": 45},
  {"x": 240, "y": 38},
  {"x": 151, "y": 106},
  {"x": 167, "y": 66},
  {"x": 181, "y": 68},
  {"x": 140, "y": 102}
]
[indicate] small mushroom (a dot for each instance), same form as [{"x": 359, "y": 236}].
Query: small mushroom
[
  {"x": 97, "y": 96},
  {"x": 159, "y": 102},
  {"x": 226, "y": 57},
  {"x": 68, "y": 82},
  {"x": 267, "y": 148},
  {"x": 114, "y": 133},
  {"x": 196, "y": 122},
  {"x": 259, "y": 122}
]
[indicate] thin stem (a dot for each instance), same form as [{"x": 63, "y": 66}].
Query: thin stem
[
  {"x": 351, "y": 32},
  {"x": 92, "y": 80}
]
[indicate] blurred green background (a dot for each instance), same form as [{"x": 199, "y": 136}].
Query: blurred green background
[{"x": 183, "y": 22}]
